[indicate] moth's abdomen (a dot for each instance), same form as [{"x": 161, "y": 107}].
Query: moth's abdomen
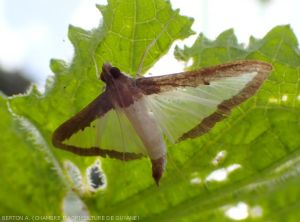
[{"x": 147, "y": 128}]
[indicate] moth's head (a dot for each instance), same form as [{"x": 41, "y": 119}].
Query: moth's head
[{"x": 109, "y": 73}]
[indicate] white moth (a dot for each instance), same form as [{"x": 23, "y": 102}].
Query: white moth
[{"x": 131, "y": 117}]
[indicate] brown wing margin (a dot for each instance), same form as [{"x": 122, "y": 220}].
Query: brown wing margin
[
  {"x": 81, "y": 120},
  {"x": 159, "y": 84}
]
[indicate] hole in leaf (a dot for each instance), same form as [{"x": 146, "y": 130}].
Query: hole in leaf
[
  {"x": 222, "y": 173},
  {"x": 219, "y": 158},
  {"x": 96, "y": 177},
  {"x": 238, "y": 212}
]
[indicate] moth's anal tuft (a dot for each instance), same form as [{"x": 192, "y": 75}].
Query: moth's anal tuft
[{"x": 158, "y": 167}]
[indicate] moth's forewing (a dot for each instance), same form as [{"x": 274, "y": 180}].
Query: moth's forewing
[
  {"x": 85, "y": 133},
  {"x": 188, "y": 104},
  {"x": 112, "y": 131}
]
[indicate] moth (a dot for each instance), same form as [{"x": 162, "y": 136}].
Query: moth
[{"x": 132, "y": 117}]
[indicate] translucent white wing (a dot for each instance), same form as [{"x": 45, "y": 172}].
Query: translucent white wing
[
  {"x": 180, "y": 110},
  {"x": 187, "y": 105},
  {"x": 99, "y": 130},
  {"x": 113, "y": 131}
]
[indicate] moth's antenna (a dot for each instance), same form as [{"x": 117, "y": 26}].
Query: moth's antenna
[
  {"x": 152, "y": 43},
  {"x": 96, "y": 65}
]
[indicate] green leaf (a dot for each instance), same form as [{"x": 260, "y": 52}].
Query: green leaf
[
  {"x": 26, "y": 169},
  {"x": 259, "y": 141}
]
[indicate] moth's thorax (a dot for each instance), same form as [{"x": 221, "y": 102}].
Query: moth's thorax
[
  {"x": 123, "y": 92},
  {"x": 121, "y": 88}
]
